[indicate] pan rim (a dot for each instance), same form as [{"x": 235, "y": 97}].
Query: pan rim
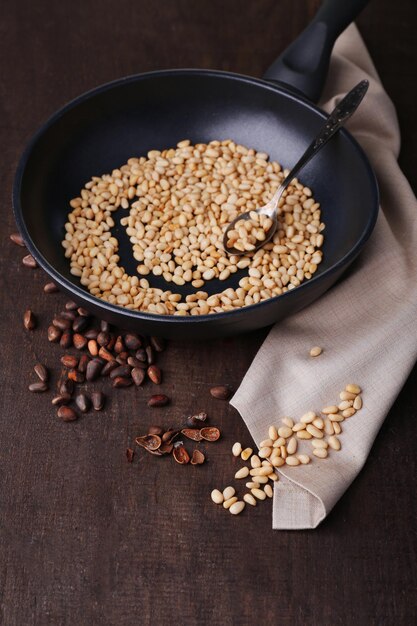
[{"x": 130, "y": 314}]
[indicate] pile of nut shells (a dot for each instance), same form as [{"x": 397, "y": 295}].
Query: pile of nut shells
[{"x": 160, "y": 441}]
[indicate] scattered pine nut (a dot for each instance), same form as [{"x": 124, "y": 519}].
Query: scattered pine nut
[
  {"x": 228, "y": 503},
  {"x": 217, "y": 496},
  {"x": 313, "y": 430},
  {"x": 264, "y": 453},
  {"x": 292, "y": 445},
  {"x": 252, "y": 485},
  {"x": 255, "y": 461},
  {"x": 349, "y": 412},
  {"x": 242, "y": 473},
  {"x": 353, "y": 388},
  {"x": 357, "y": 403},
  {"x": 245, "y": 454},
  {"x": 278, "y": 461},
  {"x": 318, "y": 423},
  {"x": 237, "y": 507},
  {"x": 298, "y": 426},
  {"x": 337, "y": 428},
  {"x": 345, "y": 404},
  {"x": 273, "y": 433},
  {"x": 330, "y": 409},
  {"x": 228, "y": 492},
  {"x": 292, "y": 460},
  {"x": 336, "y": 417},
  {"x": 248, "y": 497},
  {"x": 269, "y": 491},
  {"x": 334, "y": 443},
  {"x": 260, "y": 480},
  {"x": 259, "y": 494},
  {"x": 309, "y": 417},
  {"x": 346, "y": 395},
  {"x": 266, "y": 443},
  {"x": 236, "y": 449},
  {"x": 285, "y": 432},
  {"x": 303, "y": 458},
  {"x": 303, "y": 434},
  {"x": 316, "y": 351},
  {"x": 279, "y": 442},
  {"x": 319, "y": 443},
  {"x": 287, "y": 421},
  {"x": 273, "y": 476},
  {"x": 328, "y": 427},
  {"x": 321, "y": 453}
]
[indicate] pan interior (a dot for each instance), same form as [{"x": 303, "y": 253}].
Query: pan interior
[{"x": 102, "y": 130}]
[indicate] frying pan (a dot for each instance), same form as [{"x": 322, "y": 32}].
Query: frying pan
[{"x": 100, "y": 130}]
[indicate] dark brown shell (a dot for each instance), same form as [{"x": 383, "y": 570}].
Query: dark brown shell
[
  {"x": 170, "y": 435},
  {"x": 166, "y": 448},
  {"x": 129, "y": 455},
  {"x": 210, "y": 433},
  {"x": 196, "y": 420},
  {"x": 198, "y": 458},
  {"x": 181, "y": 455},
  {"x": 149, "y": 442},
  {"x": 192, "y": 433}
]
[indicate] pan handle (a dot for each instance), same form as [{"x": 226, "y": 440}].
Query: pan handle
[{"x": 303, "y": 66}]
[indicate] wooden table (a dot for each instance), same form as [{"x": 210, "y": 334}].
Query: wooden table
[{"x": 87, "y": 538}]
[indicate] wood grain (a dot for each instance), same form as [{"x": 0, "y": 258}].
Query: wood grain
[{"x": 85, "y": 537}]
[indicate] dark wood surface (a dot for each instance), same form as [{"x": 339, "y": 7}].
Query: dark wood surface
[{"x": 86, "y": 538}]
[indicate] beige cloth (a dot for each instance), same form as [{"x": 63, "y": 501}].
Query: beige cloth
[{"x": 366, "y": 324}]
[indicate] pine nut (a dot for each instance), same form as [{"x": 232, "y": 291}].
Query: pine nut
[
  {"x": 336, "y": 417},
  {"x": 228, "y": 503},
  {"x": 321, "y": 453},
  {"x": 303, "y": 434},
  {"x": 319, "y": 443},
  {"x": 245, "y": 454},
  {"x": 330, "y": 409},
  {"x": 285, "y": 432},
  {"x": 264, "y": 453},
  {"x": 278, "y": 461},
  {"x": 242, "y": 473},
  {"x": 273, "y": 433},
  {"x": 318, "y": 423},
  {"x": 334, "y": 443},
  {"x": 328, "y": 428},
  {"x": 249, "y": 499},
  {"x": 346, "y": 404},
  {"x": 268, "y": 490},
  {"x": 287, "y": 421},
  {"x": 228, "y": 492},
  {"x": 252, "y": 485},
  {"x": 292, "y": 460},
  {"x": 279, "y": 442},
  {"x": 353, "y": 388},
  {"x": 315, "y": 351},
  {"x": 303, "y": 458},
  {"x": 307, "y": 418},
  {"x": 255, "y": 461},
  {"x": 297, "y": 427},
  {"x": 236, "y": 449},
  {"x": 337, "y": 428},
  {"x": 346, "y": 395},
  {"x": 266, "y": 443},
  {"x": 273, "y": 476},
  {"x": 357, "y": 403},
  {"x": 314, "y": 431},
  {"x": 237, "y": 507},
  {"x": 260, "y": 480},
  {"x": 348, "y": 412},
  {"x": 259, "y": 494},
  {"x": 217, "y": 496},
  {"x": 292, "y": 446}
]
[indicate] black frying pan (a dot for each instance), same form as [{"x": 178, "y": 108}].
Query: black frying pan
[{"x": 101, "y": 129}]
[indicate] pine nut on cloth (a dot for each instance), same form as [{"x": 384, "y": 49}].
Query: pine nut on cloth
[{"x": 366, "y": 324}]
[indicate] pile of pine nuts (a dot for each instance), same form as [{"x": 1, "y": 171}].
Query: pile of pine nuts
[
  {"x": 281, "y": 448},
  {"x": 179, "y": 203}
]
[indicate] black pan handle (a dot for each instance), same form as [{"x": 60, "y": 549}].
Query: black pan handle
[{"x": 303, "y": 66}]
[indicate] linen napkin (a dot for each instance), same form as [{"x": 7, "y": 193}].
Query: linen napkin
[{"x": 366, "y": 324}]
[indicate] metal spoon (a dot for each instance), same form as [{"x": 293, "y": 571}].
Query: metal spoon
[{"x": 337, "y": 118}]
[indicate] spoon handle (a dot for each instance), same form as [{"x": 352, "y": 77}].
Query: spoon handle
[{"x": 337, "y": 118}]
